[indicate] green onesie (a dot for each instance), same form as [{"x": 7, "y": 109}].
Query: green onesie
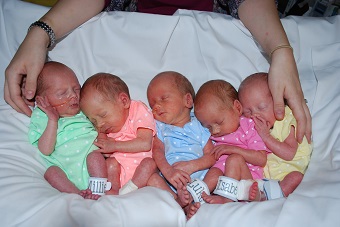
[{"x": 75, "y": 138}]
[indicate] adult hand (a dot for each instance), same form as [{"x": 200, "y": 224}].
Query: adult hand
[
  {"x": 26, "y": 63},
  {"x": 284, "y": 83}
]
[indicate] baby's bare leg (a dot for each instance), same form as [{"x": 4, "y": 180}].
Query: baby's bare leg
[
  {"x": 182, "y": 196},
  {"x": 143, "y": 172},
  {"x": 290, "y": 182},
  {"x": 113, "y": 175},
  {"x": 96, "y": 165},
  {"x": 236, "y": 168},
  {"x": 159, "y": 182},
  {"x": 211, "y": 177},
  {"x": 58, "y": 179}
]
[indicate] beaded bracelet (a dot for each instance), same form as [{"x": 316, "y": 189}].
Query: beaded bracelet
[
  {"x": 279, "y": 47},
  {"x": 47, "y": 29}
]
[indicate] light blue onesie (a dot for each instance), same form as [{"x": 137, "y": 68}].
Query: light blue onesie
[{"x": 184, "y": 144}]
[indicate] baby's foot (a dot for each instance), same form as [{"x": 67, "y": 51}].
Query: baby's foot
[
  {"x": 192, "y": 209},
  {"x": 83, "y": 193},
  {"x": 183, "y": 197},
  {"x": 87, "y": 194},
  {"x": 112, "y": 192},
  {"x": 215, "y": 199},
  {"x": 254, "y": 193}
]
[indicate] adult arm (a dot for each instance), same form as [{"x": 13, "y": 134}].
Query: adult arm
[
  {"x": 29, "y": 59},
  {"x": 262, "y": 20}
]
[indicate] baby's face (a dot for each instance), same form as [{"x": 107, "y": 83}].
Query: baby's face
[
  {"x": 257, "y": 101},
  {"x": 218, "y": 118},
  {"x": 168, "y": 104},
  {"x": 107, "y": 116},
  {"x": 63, "y": 94}
]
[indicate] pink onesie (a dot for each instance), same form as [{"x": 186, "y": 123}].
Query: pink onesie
[
  {"x": 139, "y": 117},
  {"x": 245, "y": 137}
]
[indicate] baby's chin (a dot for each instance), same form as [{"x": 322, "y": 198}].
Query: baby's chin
[{"x": 70, "y": 112}]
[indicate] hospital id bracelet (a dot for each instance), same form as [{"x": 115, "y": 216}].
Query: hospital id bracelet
[
  {"x": 279, "y": 47},
  {"x": 47, "y": 29}
]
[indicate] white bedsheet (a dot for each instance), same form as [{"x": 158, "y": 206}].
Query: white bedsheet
[{"x": 202, "y": 46}]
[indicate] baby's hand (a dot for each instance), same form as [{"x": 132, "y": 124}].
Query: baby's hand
[
  {"x": 104, "y": 144},
  {"x": 101, "y": 135},
  {"x": 184, "y": 166},
  {"x": 44, "y": 105},
  {"x": 177, "y": 177},
  {"x": 261, "y": 125},
  {"x": 223, "y": 149}
]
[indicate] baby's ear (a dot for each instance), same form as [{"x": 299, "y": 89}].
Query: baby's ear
[
  {"x": 238, "y": 106},
  {"x": 125, "y": 99},
  {"x": 189, "y": 100}
]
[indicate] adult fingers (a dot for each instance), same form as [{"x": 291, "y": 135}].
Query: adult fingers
[
  {"x": 300, "y": 116},
  {"x": 8, "y": 99},
  {"x": 278, "y": 100},
  {"x": 309, "y": 123},
  {"x": 31, "y": 81},
  {"x": 12, "y": 95}
]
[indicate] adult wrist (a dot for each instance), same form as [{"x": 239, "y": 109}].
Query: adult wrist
[
  {"x": 48, "y": 30},
  {"x": 283, "y": 46}
]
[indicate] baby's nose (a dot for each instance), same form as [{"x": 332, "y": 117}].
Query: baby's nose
[{"x": 215, "y": 130}]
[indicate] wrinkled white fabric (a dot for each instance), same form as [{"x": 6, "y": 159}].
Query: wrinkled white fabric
[{"x": 201, "y": 46}]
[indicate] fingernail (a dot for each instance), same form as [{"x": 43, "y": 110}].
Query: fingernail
[{"x": 29, "y": 94}]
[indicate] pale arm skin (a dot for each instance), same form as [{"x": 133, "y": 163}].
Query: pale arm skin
[
  {"x": 283, "y": 76},
  {"x": 286, "y": 149},
  {"x": 178, "y": 178},
  {"x": 205, "y": 162},
  {"x": 142, "y": 143},
  {"x": 48, "y": 139},
  {"x": 260, "y": 17},
  {"x": 254, "y": 157}
]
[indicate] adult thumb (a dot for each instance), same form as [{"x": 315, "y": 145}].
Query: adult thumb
[
  {"x": 279, "y": 107},
  {"x": 31, "y": 85}
]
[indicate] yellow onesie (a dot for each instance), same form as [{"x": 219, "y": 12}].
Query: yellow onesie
[{"x": 277, "y": 168}]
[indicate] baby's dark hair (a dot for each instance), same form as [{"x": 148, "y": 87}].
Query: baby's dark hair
[
  {"x": 222, "y": 89},
  {"x": 108, "y": 85}
]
